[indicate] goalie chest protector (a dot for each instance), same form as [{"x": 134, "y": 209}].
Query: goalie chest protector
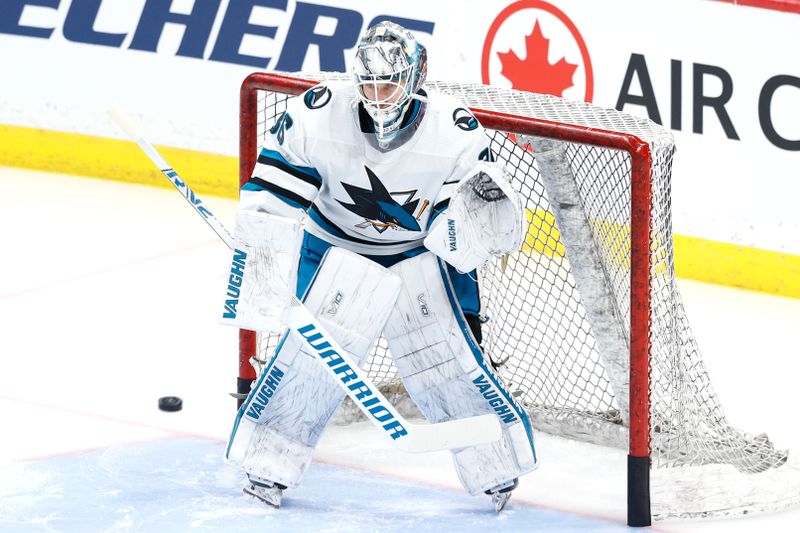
[{"x": 372, "y": 201}]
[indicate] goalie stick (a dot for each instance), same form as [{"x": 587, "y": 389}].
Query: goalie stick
[{"x": 406, "y": 436}]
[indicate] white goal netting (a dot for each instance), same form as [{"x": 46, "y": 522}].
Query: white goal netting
[{"x": 557, "y": 317}]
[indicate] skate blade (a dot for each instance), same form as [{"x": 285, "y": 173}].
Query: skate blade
[
  {"x": 271, "y": 497},
  {"x": 500, "y": 500}
]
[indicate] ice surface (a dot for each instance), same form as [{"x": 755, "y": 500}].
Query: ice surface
[
  {"x": 108, "y": 301},
  {"x": 183, "y": 485}
]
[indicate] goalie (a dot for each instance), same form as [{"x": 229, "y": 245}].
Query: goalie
[{"x": 375, "y": 202}]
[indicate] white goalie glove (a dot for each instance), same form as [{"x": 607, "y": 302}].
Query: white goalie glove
[
  {"x": 485, "y": 218},
  {"x": 263, "y": 271}
]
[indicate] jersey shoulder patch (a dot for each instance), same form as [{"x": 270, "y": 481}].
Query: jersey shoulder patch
[
  {"x": 284, "y": 122},
  {"x": 317, "y": 97},
  {"x": 463, "y": 119}
]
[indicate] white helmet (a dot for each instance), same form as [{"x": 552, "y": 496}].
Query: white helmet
[{"x": 389, "y": 68}]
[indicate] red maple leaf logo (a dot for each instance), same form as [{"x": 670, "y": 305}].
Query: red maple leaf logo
[{"x": 535, "y": 73}]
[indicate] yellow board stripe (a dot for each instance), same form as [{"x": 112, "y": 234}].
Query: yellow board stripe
[
  {"x": 100, "y": 157},
  {"x": 217, "y": 175},
  {"x": 738, "y": 266}
]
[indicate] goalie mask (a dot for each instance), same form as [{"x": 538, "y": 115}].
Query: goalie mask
[{"x": 389, "y": 68}]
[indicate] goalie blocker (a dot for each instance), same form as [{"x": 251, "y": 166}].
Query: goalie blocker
[{"x": 263, "y": 271}]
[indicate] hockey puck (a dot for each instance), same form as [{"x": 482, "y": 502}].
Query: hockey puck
[{"x": 170, "y": 403}]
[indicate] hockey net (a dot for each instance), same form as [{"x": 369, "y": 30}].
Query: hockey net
[{"x": 586, "y": 322}]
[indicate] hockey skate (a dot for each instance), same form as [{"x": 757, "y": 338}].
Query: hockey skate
[
  {"x": 501, "y": 494},
  {"x": 266, "y": 491}
]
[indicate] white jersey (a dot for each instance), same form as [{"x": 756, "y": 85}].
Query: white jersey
[{"x": 322, "y": 158}]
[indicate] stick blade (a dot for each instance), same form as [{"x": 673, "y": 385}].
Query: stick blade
[{"x": 453, "y": 434}]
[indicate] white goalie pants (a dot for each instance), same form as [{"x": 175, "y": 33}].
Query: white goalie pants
[{"x": 442, "y": 367}]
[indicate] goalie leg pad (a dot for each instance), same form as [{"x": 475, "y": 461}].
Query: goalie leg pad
[
  {"x": 280, "y": 423},
  {"x": 444, "y": 372}
]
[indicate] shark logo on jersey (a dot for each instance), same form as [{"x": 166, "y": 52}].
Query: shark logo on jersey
[
  {"x": 283, "y": 123},
  {"x": 317, "y": 97},
  {"x": 379, "y": 209},
  {"x": 464, "y": 120}
]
